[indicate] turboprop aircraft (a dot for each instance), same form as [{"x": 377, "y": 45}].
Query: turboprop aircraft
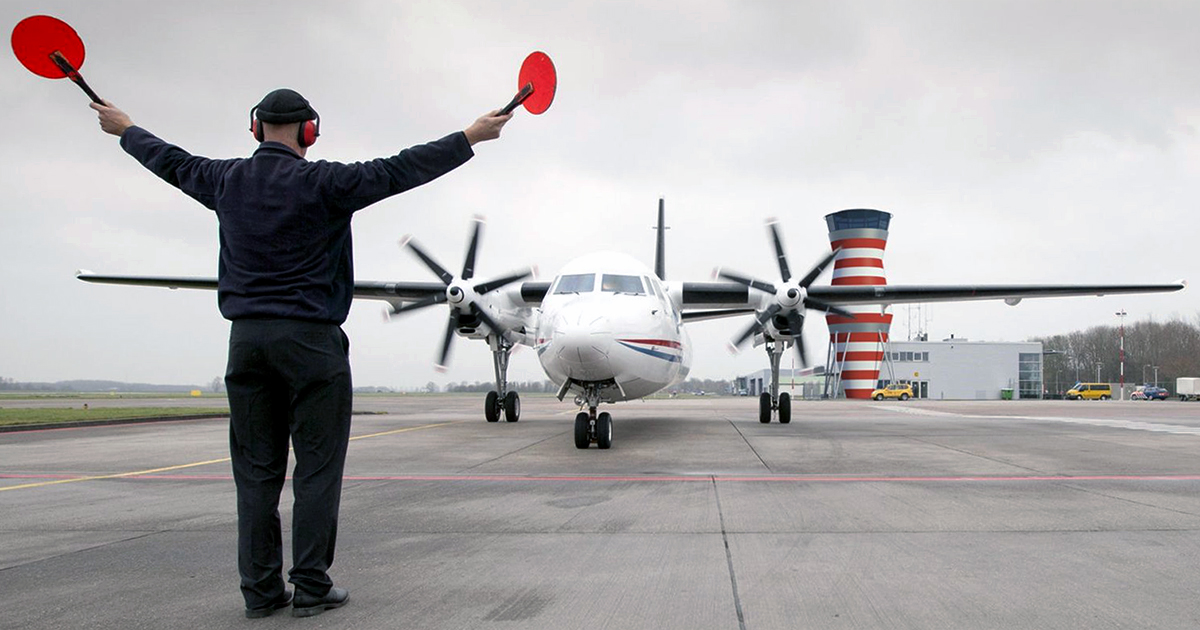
[{"x": 609, "y": 329}]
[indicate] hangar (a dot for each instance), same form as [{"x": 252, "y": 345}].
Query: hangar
[{"x": 951, "y": 369}]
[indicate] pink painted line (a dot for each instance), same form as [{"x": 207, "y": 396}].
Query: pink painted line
[{"x": 668, "y": 478}]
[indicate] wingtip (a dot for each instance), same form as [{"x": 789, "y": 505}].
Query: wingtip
[
  {"x": 440, "y": 369},
  {"x": 732, "y": 348},
  {"x": 83, "y": 272},
  {"x": 404, "y": 240}
]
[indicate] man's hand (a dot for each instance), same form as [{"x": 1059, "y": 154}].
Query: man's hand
[
  {"x": 487, "y": 127},
  {"x": 112, "y": 120}
]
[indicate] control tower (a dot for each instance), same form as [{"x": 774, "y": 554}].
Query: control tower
[{"x": 857, "y": 346}]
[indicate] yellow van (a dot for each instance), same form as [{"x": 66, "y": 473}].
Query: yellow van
[{"x": 1090, "y": 391}]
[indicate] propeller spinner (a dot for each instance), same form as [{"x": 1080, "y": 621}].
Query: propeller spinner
[
  {"x": 460, "y": 293},
  {"x": 791, "y": 297}
]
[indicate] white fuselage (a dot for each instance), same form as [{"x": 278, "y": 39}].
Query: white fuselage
[{"x": 608, "y": 321}]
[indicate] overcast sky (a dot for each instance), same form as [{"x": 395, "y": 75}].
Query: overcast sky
[{"x": 1014, "y": 142}]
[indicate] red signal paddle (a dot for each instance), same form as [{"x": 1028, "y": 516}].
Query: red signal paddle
[
  {"x": 537, "y": 82},
  {"x": 49, "y": 47}
]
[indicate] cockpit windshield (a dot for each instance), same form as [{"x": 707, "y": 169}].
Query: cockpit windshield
[
  {"x": 576, "y": 283},
  {"x": 622, "y": 284}
]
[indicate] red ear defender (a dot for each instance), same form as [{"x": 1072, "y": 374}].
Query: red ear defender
[
  {"x": 306, "y": 136},
  {"x": 255, "y": 128}
]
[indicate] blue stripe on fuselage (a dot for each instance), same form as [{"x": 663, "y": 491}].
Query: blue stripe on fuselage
[{"x": 654, "y": 353}]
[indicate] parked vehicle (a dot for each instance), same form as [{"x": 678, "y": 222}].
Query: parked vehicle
[
  {"x": 1187, "y": 388},
  {"x": 1156, "y": 393},
  {"x": 1138, "y": 394},
  {"x": 902, "y": 391},
  {"x": 1090, "y": 391}
]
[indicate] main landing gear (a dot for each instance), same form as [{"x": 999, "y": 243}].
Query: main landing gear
[
  {"x": 500, "y": 402},
  {"x": 590, "y": 426},
  {"x": 773, "y": 401}
]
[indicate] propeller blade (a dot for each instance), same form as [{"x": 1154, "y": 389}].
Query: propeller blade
[
  {"x": 469, "y": 264},
  {"x": 784, "y": 272},
  {"x": 828, "y": 308},
  {"x": 746, "y": 280},
  {"x": 492, "y": 285},
  {"x": 443, "y": 361},
  {"x": 816, "y": 270},
  {"x": 756, "y": 326},
  {"x": 487, "y": 319},
  {"x": 796, "y": 324},
  {"x": 429, "y": 262},
  {"x": 436, "y": 298}
]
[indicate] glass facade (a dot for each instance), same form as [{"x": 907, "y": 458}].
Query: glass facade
[
  {"x": 858, "y": 219},
  {"x": 1029, "y": 375}
]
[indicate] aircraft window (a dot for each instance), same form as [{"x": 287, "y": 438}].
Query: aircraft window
[
  {"x": 622, "y": 284},
  {"x": 653, "y": 287},
  {"x": 576, "y": 283}
]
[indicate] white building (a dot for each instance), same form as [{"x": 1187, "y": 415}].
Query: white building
[
  {"x": 957, "y": 369},
  {"x": 952, "y": 369}
]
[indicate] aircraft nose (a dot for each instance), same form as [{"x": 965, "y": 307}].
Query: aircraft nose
[{"x": 581, "y": 343}]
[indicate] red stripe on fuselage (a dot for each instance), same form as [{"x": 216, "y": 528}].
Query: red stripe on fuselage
[{"x": 666, "y": 343}]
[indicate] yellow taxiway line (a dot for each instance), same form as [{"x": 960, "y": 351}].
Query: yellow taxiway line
[{"x": 138, "y": 473}]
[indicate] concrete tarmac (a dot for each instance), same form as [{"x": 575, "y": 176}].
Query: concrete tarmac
[{"x": 919, "y": 514}]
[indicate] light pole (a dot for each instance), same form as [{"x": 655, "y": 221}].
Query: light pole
[
  {"x": 1156, "y": 376},
  {"x": 1098, "y": 366},
  {"x": 1121, "y": 314},
  {"x": 1145, "y": 381}
]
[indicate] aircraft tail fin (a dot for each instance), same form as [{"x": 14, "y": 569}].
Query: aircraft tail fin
[{"x": 660, "y": 261}]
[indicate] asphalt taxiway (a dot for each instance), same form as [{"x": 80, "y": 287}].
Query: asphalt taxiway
[{"x": 1013, "y": 514}]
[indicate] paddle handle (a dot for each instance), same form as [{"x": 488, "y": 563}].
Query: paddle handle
[
  {"x": 518, "y": 99},
  {"x": 74, "y": 75}
]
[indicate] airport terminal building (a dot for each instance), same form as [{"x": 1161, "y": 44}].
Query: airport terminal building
[{"x": 951, "y": 369}]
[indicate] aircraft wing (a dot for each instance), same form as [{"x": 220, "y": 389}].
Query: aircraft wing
[
  {"x": 1010, "y": 293},
  {"x": 395, "y": 293}
]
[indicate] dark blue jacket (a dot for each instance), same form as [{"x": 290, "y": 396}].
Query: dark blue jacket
[{"x": 285, "y": 222}]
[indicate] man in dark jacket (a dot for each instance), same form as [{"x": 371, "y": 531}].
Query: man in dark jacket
[{"x": 285, "y": 280}]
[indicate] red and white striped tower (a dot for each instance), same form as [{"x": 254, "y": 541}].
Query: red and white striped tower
[{"x": 857, "y": 345}]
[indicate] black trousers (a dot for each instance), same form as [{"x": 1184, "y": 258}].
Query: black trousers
[{"x": 287, "y": 378}]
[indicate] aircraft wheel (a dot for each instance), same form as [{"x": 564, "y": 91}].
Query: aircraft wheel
[
  {"x": 785, "y": 408},
  {"x": 764, "y": 408},
  {"x": 491, "y": 407},
  {"x": 604, "y": 430},
  {"x": 581, "y": 430},
  {"x": 512, "y": 407}
]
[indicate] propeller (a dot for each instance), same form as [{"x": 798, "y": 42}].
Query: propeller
[
  {"x": 461, "y": 294},
  {"x": 791, "y": 297}
]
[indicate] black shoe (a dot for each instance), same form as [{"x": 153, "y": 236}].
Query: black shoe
[
  {"x": 266, "y": 611},
  {"x": 306, "y": 605}
]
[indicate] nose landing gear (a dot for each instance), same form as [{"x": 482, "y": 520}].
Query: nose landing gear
[{"x": 590, "y": 426}]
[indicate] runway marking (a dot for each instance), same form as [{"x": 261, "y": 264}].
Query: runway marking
[
  {"x": 154, "y": 471},
  {"x": 137, "y": 473},
  {"x": 708, "y": 478},
  {"x": 1135, "y": 425}
]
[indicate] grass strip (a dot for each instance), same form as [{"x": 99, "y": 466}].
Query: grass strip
[{"x": 69, "y": 415}]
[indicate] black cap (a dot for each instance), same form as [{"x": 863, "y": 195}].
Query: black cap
[{"x": 284, "y": 106}]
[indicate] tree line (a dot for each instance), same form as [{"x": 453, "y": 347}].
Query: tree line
[{"x": 1093, "y": 355}]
